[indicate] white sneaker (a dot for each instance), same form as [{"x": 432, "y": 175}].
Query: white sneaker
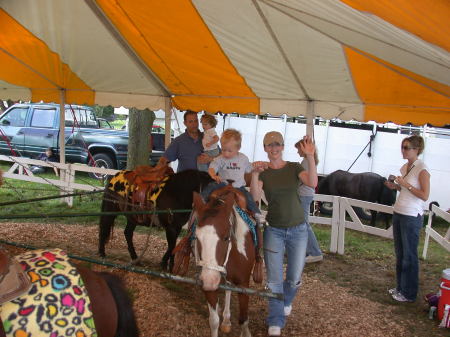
[
  {"x": 312, "y": 259},
  {"x": 392, "y": 291},
  {"x": 287, "y": 310},
  {"x": 399, "y": 297},
  {"x": 274, "y": 330}
]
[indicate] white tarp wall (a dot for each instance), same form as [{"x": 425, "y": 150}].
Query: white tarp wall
[{"x": 339, "y": 147}]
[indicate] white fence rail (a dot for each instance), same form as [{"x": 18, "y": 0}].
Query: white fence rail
[
  {"x": 66, "y": 181},
  {"x": 444, "y": 241},
  {"x": 344, "y": 206},
  {"x": 338, "y": 222}
]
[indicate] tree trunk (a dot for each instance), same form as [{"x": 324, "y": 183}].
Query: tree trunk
[{"x": 139, "y": 144}]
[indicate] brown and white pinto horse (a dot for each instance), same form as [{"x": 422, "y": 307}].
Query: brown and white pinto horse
[{"x": 223, "y": 246}]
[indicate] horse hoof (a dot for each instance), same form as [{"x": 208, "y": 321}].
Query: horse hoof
[{"x": 225, "y": 328}]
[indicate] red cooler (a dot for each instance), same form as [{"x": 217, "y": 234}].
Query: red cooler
[{"x": 445, "y": 293}]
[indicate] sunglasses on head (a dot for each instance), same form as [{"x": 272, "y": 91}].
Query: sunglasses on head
[{"x": 407, "y": 148}]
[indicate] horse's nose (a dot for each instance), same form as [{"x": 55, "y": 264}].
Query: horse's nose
[{"x": 210, "y": 279}]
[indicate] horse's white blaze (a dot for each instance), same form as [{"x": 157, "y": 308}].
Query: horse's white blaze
[
  {"x": 241, "y": 232},
  {"x": 208, "y": 238},
  {"x": 214, "y": 320}
]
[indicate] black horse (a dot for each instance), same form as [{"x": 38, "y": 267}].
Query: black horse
[
  {"x": 365, "y": 186},
  {"x": 175, "y": 194}
]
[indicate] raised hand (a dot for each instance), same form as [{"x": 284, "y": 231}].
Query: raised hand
[{"x": 307, "y": 146}]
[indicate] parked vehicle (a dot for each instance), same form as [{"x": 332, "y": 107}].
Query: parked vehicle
[{"x": 29, "y": 129}]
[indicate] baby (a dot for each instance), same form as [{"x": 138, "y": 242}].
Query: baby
[
  {"x": 232, "y": 165},
  {"x": 210, "y": 139}
]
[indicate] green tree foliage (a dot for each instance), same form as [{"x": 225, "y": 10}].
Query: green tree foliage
[{"x": 104, "y": 111}]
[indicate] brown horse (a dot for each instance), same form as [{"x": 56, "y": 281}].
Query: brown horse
[
  {"x": 174, "y": 193},
  {"x": 43, "y": 293},
  {"x": 223, "y": 247}
]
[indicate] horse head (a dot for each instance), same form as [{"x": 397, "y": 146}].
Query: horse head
[
  {"x": 387, "y": 196},
  {"x": 214, "y": 238}
]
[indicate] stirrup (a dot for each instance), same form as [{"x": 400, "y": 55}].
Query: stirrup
[{"x": 14, "y": 282}]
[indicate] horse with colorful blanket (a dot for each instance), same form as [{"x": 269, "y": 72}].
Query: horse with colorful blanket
[{"x": 43, "y": 294}]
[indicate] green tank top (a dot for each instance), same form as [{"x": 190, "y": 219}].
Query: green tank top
[{"x": 280, "y": 187}]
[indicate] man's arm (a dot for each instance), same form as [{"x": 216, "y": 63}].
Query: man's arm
[{"x": 171, "y": 153}]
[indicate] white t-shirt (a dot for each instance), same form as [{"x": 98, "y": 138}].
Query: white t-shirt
[
  {"x": 208, "y": 136},
  {"x": 232, "y": 168},
  {"x": 407, "y": 203}
]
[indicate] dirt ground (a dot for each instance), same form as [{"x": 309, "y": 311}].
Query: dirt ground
[{"x": 172, "y": 309}]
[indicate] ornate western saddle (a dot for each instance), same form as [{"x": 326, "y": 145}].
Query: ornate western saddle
[{"x": 143, "y": 186}]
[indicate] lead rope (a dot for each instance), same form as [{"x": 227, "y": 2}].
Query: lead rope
[
  {"x": 147, "y": 240},
  {"x": 369, "y": 154}
]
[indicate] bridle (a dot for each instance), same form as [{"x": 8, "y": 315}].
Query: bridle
[{"x": 221, "y": 269}]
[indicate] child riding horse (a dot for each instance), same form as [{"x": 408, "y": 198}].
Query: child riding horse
[{"x": 224, "y": 246}]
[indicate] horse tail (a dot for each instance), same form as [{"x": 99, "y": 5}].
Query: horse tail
[{"x": 126, "y": 323}]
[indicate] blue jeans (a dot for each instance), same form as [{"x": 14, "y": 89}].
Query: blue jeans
[
  {"x": 312, "y": 248},
  {"x": 277, "y": 241},
  {"x": 211, "y": 187},
  {"x": 406, "y": 231},
  {"x": 211, "y": 153}
]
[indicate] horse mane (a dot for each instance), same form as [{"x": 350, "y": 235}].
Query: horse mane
[
  {"x": 187, "y": 180},
  {"x": 212, "y": 210}
]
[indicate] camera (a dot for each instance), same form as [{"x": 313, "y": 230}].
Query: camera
[{"x": 391, "y": 178}]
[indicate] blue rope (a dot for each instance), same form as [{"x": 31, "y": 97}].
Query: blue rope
[
  {"x": 250, "y": 223},
  {"x": 243, "y": 214}
]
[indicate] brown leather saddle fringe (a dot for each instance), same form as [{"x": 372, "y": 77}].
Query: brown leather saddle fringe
[{"x": 146, "y": 180}]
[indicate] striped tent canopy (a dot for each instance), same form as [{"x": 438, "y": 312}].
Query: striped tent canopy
[{"x": 384, "y": 60}]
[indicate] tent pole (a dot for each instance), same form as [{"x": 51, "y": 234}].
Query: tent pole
[
  {"x": 310, "y": 118},
  {"x": 62, "y": 118},
  {"x": 167, "y": 120},
  {"x": 64, "y": 174}
]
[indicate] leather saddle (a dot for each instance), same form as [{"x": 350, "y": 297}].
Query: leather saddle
[
  {"x": 13, "y": 280},
  {"x": 146, "y": 180},
  {"x": 239, "y": 197}
]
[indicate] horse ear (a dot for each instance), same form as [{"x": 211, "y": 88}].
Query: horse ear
[
  {"x": 198, "y": 201},
  {"x": 229, "y": 202}
]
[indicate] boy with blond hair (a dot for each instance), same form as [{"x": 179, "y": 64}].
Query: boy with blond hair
[{"x": 232, "y": 165}]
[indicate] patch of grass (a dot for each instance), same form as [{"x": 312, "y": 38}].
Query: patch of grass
[
  {"x": 16, "y": 190},
  {"x": 368, "y": 269}
]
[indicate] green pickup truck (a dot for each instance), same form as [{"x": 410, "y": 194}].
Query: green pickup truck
[{"x": 27, "y": 130}]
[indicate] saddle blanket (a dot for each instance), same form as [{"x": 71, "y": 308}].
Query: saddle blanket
[{"x": 57, "y": 303}]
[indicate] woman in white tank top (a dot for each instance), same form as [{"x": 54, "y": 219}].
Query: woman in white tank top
[{"x": 414, "y": 187}]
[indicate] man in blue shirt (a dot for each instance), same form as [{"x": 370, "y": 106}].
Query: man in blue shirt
[{"x": 187, "y": 148}]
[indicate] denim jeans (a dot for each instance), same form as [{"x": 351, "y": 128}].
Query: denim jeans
[
  {"x": 406, "y": 231},
  {"x": 277, "y": 241},
  {"x": 211, "y": 187},
  {"x": 211, "y": 153},
  {"x": 312, "y": 248}
]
